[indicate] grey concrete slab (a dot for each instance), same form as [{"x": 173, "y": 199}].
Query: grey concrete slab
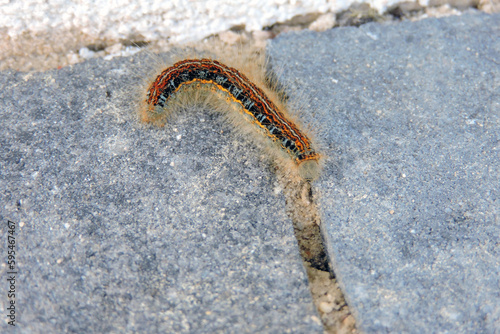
[
  {"x": 127, "y": 228},
  {"x": 409, "y": 118}
]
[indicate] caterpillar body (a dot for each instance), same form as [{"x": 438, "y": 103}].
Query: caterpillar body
[{"x": 229, "y": 84}]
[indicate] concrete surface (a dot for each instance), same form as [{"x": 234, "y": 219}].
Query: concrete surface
[
  {"x": 126, "y": 228},
  {"x": 409, "y": 117}
]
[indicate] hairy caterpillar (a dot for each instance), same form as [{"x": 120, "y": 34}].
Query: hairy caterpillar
[{"x": 207, "y": 78}]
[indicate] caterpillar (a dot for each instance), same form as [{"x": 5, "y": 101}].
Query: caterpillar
[{"x": 209, "y": 76}]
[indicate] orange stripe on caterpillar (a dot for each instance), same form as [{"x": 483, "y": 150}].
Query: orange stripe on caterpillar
[{"x": 238, "y": 89}]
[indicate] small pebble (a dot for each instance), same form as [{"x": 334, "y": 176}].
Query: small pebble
[{"x": 325, "y": 307}]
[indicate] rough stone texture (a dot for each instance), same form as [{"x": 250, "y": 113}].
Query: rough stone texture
[
  {"x": 176, "y": 21},
  {"x": 409, "y": 117},
  {"x": 128, "y": 228}
]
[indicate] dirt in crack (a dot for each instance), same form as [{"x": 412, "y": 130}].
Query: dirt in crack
[{"x": 327, "y": 296}]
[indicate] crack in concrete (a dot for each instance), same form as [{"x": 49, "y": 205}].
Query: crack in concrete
[{"x": 327, "y": 296}]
